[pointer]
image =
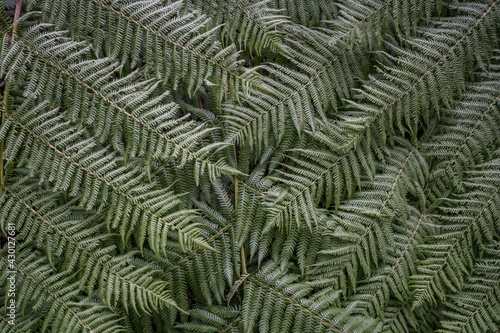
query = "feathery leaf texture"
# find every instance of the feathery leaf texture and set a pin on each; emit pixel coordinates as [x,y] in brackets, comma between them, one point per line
[250,166]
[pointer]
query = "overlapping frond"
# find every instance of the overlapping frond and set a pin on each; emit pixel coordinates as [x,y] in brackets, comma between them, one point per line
[250,166]
[363,225]
[207,274]
[5,21]
[465,224]
[476,307]
[283,304]
[55,297]
[401,98]
[117,108]
[327,66]
[80,240]
[254,26]
[466,136]
[374,294]
[306,13]
[187,51]
[214,319]
[70,158]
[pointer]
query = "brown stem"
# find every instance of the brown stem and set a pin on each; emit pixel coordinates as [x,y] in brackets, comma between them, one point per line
[17,13]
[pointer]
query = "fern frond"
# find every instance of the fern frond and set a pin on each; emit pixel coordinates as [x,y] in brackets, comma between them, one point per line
[389,105]
[282,313]
[82,247]
[213,319]
[206,274]
[55,297]
[254,26]
[328,66]
[250,166]
[399,317]
[465,137]
[188,50]
[363,227]
[27,323]
[374,294]
[309,14]
[465,222]
[152,128]
[72,159]
[5,21]
[476,307]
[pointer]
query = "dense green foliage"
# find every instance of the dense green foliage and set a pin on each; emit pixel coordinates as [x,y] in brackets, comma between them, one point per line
[250,166]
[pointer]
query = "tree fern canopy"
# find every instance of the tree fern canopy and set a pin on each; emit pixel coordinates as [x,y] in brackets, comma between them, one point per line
[250,166]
